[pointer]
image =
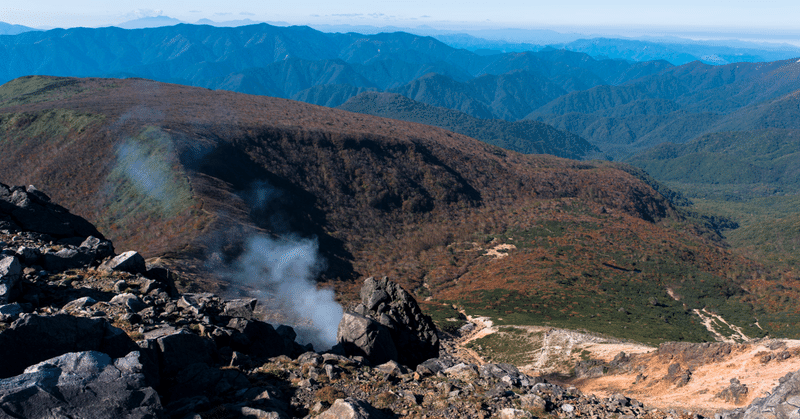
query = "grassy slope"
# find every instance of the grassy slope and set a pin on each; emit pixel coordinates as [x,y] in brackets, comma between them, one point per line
[751,177]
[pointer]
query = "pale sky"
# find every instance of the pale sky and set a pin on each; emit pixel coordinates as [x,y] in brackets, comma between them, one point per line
[763,15]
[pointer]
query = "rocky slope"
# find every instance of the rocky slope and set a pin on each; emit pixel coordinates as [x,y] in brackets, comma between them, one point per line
[101,335]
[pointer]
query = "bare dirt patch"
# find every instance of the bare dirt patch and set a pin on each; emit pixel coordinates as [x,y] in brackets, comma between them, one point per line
[758,365]
[703,371]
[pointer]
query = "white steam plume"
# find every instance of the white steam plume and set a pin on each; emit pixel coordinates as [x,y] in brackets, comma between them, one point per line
[285,269]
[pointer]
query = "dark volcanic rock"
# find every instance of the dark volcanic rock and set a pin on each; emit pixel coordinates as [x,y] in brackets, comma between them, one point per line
[99,248]
[202,379]
[81,385]
[10,272]
[33,339]
[130,261]
[413,333]
[260,340]
[66,259]
[363,336]
[31,210]
[179,350]
[243,308]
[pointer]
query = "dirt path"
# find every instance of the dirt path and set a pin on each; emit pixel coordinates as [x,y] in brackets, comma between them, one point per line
[552,351]
[483,327]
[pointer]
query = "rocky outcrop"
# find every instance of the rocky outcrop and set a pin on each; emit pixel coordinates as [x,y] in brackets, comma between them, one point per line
[413,334]
[677,375]
[363,336]
[782,403]
[82,385]
[34,338]
[130,261]
[27,209]
[734,393]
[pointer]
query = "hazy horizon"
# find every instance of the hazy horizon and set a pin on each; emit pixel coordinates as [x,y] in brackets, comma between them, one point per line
[698,19]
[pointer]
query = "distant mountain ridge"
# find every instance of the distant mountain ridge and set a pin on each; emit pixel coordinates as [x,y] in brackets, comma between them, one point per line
[678,105]
[9,29]
[622,107]
[524,136]
[208,56]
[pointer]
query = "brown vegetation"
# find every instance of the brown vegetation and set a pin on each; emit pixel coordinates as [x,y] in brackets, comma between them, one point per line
[381,196]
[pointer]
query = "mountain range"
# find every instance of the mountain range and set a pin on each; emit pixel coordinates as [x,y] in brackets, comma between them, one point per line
[619,106]
[629,202]
[528,137]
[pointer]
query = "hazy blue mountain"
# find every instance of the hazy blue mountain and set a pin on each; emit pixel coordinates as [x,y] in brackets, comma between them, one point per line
[9,29]
[485,46]
[149,22]
[509,96]
[188,53]
[234,23]
[710,52]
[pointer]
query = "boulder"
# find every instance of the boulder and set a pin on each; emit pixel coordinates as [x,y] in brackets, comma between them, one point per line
[414,335]
[130,261]
[28,255]
[498,370]
[352,409]
[131,302]
[10,275]
[10,312]
[260,340]
[362,336]
[200,379]
[434,366]
[98,248]
[78,304]
[32,339]
[590,369]
[179,350]
[66,259]
[243,308]
[462,371]
[81,384]
[735,393]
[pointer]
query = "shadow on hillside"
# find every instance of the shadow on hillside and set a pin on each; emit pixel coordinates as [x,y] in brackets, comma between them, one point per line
[275,204]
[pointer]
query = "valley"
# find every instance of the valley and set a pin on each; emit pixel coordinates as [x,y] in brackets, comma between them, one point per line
[620,226]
